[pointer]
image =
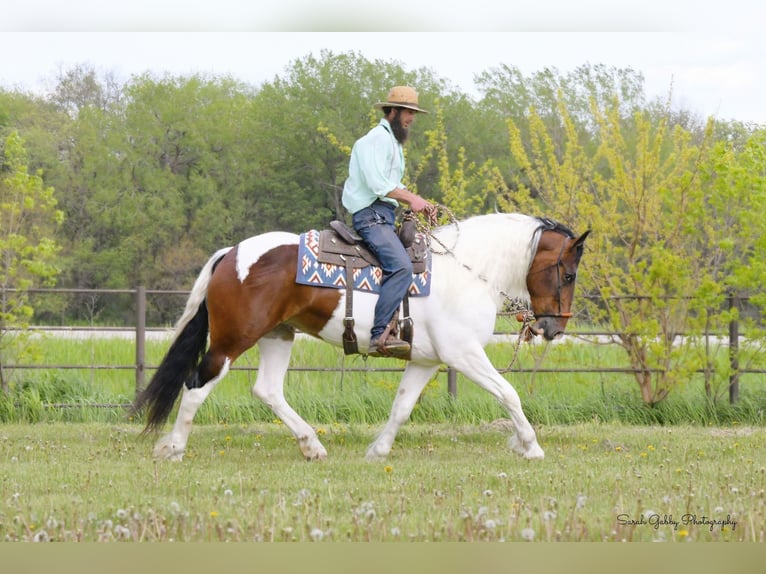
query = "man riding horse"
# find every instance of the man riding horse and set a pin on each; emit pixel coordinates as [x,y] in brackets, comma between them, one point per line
[371,193]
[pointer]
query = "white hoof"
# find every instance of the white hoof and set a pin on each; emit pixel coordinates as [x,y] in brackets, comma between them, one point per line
[530,451]
[165,449]
[312,449]
[376,453]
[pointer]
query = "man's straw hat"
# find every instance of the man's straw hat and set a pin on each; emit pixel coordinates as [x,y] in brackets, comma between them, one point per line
[402,97]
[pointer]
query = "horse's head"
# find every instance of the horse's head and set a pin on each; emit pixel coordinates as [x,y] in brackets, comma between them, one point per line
[551,279]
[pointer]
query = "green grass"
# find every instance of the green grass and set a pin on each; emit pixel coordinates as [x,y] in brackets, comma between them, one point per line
[361,392]
[442,482]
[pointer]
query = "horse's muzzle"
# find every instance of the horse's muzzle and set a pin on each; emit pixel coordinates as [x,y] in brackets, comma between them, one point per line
[550,327]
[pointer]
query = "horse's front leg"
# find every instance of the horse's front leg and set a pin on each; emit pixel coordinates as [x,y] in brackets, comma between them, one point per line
[472,361]
[413,381]
[269,387]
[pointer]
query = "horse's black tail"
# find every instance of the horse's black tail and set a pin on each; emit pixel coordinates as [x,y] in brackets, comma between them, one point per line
[184,355]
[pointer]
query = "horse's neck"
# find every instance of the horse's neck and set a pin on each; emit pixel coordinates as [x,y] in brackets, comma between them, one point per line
[496,250]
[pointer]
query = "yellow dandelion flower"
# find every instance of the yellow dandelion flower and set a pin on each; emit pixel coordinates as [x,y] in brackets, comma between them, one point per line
[213,514]
[650,447]
[644,454]
[321,431]
[683,533]
[222,452]
[389,469]
[228,438]
[618,448]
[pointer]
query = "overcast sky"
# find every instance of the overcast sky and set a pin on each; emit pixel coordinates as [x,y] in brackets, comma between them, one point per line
[712,53]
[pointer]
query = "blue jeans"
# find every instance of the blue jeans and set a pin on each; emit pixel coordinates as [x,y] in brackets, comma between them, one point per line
[375,224]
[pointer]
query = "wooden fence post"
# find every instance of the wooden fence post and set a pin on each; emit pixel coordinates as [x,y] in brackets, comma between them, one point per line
[140,337]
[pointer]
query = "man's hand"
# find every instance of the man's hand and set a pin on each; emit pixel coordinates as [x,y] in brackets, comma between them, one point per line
[416,203]
[420,205]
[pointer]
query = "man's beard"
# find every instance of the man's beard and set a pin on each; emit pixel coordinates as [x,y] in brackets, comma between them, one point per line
[400,132]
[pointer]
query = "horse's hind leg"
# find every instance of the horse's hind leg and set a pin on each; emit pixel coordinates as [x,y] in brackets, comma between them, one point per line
[269,387]
[210,371]
[413,381]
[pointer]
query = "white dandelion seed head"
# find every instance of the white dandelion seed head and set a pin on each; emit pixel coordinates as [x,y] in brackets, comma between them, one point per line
[488,493]
[502,475]
[549,515]
[121,513]
[122,532]
[581,500]
[528,534]
[41,536]
[316,535]
[228,492]
[490,524]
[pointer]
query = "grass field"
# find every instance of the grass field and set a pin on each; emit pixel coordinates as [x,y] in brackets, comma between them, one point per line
[599,482]
[72,469]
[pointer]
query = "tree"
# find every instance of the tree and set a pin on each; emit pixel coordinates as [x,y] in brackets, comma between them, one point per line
[28,221]
[656,258]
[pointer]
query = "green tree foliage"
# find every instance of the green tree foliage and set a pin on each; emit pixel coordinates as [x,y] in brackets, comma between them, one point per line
[156,173]
[28,221]
[639,184]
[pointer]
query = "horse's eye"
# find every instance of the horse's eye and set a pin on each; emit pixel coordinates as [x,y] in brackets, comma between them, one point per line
[569,277]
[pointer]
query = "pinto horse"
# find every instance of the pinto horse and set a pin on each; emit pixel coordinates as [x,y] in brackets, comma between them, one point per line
[247,295]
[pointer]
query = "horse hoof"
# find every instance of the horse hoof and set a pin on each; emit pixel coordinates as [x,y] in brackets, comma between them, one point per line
[312,449]
[166,450]
[374,454]
[533,451]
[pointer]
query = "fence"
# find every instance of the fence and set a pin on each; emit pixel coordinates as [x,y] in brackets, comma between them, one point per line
[141,330]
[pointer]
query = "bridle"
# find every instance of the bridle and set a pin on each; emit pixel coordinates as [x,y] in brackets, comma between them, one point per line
[561,314]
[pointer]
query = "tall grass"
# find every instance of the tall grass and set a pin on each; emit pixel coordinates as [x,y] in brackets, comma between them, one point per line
[361,391]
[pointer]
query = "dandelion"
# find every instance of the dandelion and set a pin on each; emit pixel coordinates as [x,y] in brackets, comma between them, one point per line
[488,493]
[650,447]
[228,493]
[502,475]
[683,533]
[41,536]
[389,469]
[718,509]
[549,516]
[395,531]
[175,508]
[528,534]
[122,532]
[213,514]
[228,438]
[618,448]
[316,535]
[121,513]
[490,524]
[222,452]
[321,431]
[581,500]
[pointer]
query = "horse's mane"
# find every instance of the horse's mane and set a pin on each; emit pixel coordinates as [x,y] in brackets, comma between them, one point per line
[496,250]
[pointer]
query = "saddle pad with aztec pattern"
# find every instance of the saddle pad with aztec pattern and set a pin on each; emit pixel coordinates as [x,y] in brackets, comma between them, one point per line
[312,272]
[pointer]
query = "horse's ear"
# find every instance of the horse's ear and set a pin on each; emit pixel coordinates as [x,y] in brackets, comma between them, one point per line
[580,240]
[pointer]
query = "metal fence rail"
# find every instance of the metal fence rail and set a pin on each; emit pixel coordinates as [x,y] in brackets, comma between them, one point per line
[140,332]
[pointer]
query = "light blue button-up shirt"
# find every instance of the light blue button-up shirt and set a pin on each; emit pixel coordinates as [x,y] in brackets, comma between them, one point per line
[376,168]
